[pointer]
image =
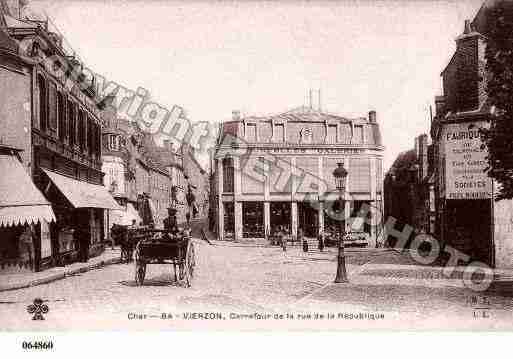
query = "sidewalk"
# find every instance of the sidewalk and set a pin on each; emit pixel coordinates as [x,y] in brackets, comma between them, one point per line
[24,280]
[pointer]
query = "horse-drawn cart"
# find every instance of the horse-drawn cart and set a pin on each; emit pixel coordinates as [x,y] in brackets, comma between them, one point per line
[162,247]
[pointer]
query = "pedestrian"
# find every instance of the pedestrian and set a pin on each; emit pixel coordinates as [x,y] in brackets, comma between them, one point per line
[302,239]
[282,239]
[82,237]
[26,247]
[321,241]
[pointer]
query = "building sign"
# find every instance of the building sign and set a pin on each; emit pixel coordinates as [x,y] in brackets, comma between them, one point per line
[465,162]
[298,150]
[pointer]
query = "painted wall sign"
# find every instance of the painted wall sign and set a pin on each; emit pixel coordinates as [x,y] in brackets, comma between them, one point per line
[465,162]
[316,151]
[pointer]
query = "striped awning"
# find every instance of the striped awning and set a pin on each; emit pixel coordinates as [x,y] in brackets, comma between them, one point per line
[83,194]
[125,217]
[20,200]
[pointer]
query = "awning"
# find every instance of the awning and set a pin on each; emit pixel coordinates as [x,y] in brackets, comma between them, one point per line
[125,217]
[83,194]
[20,200]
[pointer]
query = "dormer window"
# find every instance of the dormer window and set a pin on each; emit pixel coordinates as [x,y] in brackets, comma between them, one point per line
[251,132]
[114,142]
[279,132]
[358,134]
[331,134]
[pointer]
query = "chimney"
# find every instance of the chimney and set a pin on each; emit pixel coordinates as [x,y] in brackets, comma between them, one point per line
[372,116]
[439,105]
[235,115]
[468,27]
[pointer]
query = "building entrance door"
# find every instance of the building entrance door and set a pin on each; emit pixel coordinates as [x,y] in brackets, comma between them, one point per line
[252,219]
[308,219]
[280,216]
[468,228]
[229,219]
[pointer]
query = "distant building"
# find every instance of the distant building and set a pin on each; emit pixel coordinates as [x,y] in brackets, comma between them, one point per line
[146,179]
[198,182]
[409,188]
[276,170]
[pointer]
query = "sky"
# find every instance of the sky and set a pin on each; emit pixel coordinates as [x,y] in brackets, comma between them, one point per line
[263,57]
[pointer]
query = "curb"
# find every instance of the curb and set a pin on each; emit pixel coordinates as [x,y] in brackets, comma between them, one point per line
[59,276]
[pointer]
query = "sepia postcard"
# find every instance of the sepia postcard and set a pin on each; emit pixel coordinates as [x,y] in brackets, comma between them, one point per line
[255,166]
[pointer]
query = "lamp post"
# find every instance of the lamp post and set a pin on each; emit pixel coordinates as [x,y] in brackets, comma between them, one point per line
[340,175]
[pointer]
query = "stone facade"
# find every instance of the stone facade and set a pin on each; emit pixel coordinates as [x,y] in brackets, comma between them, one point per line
[277,171]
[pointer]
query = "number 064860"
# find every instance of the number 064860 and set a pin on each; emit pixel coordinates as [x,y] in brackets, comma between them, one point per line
[37,345]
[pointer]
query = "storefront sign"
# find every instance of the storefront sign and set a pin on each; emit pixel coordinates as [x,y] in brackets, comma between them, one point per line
[317,151]
[465,162]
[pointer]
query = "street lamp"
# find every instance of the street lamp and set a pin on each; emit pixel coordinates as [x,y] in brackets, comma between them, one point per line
[340,175]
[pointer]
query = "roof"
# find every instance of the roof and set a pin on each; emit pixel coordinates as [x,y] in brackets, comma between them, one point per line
[6,43]
[11,22]
[231,130]
[298,114]
[20,200]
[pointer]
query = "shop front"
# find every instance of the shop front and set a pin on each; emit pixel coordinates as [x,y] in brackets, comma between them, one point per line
[280,216]
[308,219]
[229,220]
[23,213]
[253,220]
[78,232]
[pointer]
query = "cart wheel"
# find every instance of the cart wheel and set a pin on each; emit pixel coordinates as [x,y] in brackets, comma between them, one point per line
[140,272]
[190,263]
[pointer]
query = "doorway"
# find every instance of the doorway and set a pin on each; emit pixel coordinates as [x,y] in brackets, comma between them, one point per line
[308,220]
[468,228]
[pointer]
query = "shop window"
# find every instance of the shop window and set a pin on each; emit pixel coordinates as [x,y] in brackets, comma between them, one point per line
[43,104]
[360,221]
[229,219]
[62,116]
[252,219]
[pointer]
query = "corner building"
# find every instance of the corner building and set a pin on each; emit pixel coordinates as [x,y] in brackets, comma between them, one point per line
[278,171]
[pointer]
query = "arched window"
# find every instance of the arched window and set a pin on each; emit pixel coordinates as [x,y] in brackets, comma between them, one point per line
[43,102]
[61,112]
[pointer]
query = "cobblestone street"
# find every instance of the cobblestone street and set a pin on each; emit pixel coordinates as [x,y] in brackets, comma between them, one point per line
[244,279]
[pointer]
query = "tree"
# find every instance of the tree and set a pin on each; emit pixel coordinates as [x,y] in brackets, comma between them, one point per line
[499,67]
